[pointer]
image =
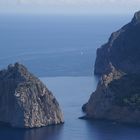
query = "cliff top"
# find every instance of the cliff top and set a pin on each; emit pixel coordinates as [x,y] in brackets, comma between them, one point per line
[16,71]
[136,18]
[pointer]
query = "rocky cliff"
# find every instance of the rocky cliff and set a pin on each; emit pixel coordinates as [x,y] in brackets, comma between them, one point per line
[25,101]
[122,50]
[117,96]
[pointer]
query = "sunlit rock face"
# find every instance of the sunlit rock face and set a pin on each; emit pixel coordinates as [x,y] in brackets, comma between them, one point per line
[25,101]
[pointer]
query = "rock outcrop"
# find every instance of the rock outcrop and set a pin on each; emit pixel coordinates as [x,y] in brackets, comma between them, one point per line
[25,101]
[117,96]
[122,50]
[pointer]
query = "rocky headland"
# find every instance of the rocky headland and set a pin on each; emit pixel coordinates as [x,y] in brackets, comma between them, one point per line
[25,101]
[122,49]
[117,96]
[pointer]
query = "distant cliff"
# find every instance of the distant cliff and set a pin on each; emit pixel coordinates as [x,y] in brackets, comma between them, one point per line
[25,101]
[122,50]
[117,96]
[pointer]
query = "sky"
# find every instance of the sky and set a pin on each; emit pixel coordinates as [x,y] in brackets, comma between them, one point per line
[69,6]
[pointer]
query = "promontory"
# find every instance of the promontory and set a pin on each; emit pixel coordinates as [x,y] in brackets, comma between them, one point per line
[117,96]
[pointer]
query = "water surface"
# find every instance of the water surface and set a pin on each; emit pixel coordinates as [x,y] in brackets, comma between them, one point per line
[55,45]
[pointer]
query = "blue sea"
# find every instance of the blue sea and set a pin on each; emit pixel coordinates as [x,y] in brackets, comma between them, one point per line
[55,45]
[61,50]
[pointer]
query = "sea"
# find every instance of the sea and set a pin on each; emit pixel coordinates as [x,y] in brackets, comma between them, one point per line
[61,51]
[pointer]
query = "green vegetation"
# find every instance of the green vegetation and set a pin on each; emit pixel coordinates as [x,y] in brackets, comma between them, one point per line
[133,100]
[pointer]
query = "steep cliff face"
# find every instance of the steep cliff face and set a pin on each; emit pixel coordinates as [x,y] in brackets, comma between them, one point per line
[122,49]
[117,96]
[25,101]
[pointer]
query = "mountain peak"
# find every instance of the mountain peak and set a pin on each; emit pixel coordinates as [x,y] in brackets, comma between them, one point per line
[25,101]
[136,18]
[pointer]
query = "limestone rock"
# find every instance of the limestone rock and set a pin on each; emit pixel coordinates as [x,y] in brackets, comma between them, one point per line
[25,101]
[116,98]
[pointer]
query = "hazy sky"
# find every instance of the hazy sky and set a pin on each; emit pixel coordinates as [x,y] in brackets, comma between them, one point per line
[69,6]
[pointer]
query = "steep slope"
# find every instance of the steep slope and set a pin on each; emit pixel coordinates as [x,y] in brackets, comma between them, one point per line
[25,101]
[122,49]
[117,96]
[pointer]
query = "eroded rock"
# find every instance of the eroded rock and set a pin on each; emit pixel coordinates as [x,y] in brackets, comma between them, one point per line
[25,101]
[117,96]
